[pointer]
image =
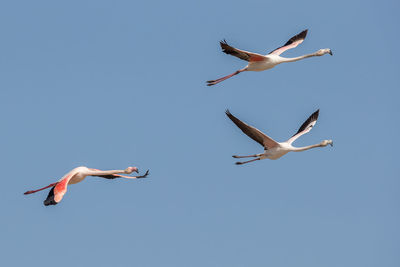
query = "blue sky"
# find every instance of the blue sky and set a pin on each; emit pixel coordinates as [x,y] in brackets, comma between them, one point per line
[110,84]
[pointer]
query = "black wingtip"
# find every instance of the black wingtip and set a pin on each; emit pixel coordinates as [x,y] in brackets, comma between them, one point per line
[222,43]
[50,198]
[315,115]
[311,118]
[303,34]
[300,36]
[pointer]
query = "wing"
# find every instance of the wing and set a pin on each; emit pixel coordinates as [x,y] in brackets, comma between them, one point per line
[253,133]
[58,191]
[248,56]
[113,176]
[110,176]
[292,43]
[305,127]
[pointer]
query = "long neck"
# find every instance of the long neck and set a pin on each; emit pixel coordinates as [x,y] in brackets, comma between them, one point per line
[303,148]
[293,59]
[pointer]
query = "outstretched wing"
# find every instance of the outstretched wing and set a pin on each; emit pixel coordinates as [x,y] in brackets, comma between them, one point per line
[109,176]
[113,176]
[305,127]
[253,133]
[58,191]
[292,43]
[248,56]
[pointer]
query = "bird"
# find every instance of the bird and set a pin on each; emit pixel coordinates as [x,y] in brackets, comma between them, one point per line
[258,62]
[77,175]
[273,149]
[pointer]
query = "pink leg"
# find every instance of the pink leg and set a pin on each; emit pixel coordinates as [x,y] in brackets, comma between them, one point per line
[243,162]
[213,82]
[238,157]
[34,191]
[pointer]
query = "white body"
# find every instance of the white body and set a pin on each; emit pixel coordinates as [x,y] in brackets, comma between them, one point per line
[78,174]
[277,152]
[269,62]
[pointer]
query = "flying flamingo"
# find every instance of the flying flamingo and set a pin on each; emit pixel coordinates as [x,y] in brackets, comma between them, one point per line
[273,149]
[258,62]
[78,175]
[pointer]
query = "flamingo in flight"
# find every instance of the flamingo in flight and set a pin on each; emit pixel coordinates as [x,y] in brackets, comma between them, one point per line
[78,175]
[258,62]
[273,149]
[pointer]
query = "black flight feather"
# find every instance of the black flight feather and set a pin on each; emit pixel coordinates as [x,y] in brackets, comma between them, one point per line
[310,119]
[300,36]
[50,198]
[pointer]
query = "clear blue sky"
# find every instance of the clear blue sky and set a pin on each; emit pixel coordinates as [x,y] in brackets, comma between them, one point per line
[110,84]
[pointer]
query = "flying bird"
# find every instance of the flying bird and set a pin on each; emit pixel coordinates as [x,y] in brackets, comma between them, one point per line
[273,149]
[258,62]
[78,175]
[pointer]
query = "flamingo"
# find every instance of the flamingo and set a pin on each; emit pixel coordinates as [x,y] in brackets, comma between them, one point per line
[273,149]
[78,175]
[258,62]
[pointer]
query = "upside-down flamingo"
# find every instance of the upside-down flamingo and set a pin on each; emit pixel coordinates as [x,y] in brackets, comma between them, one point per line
[78,175]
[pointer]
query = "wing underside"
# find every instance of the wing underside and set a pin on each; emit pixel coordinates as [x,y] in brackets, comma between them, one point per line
[255,134]
[305,127]
[292,43]
[244,55]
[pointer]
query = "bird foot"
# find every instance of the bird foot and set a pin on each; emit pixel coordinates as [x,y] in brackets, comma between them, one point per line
[210,83]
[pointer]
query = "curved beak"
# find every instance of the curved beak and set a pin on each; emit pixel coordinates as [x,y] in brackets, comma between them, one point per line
[330,52]
[331,144]
[137,170]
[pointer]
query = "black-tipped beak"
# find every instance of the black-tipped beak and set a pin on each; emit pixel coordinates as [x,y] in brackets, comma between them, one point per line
[330,52]
[137,170]
[332,144]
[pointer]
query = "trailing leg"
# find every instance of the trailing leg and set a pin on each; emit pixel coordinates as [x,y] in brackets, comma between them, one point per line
[213,82]
[250,156]
[243,162]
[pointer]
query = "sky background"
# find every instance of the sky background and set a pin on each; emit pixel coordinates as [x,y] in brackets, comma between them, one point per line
[112,84]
